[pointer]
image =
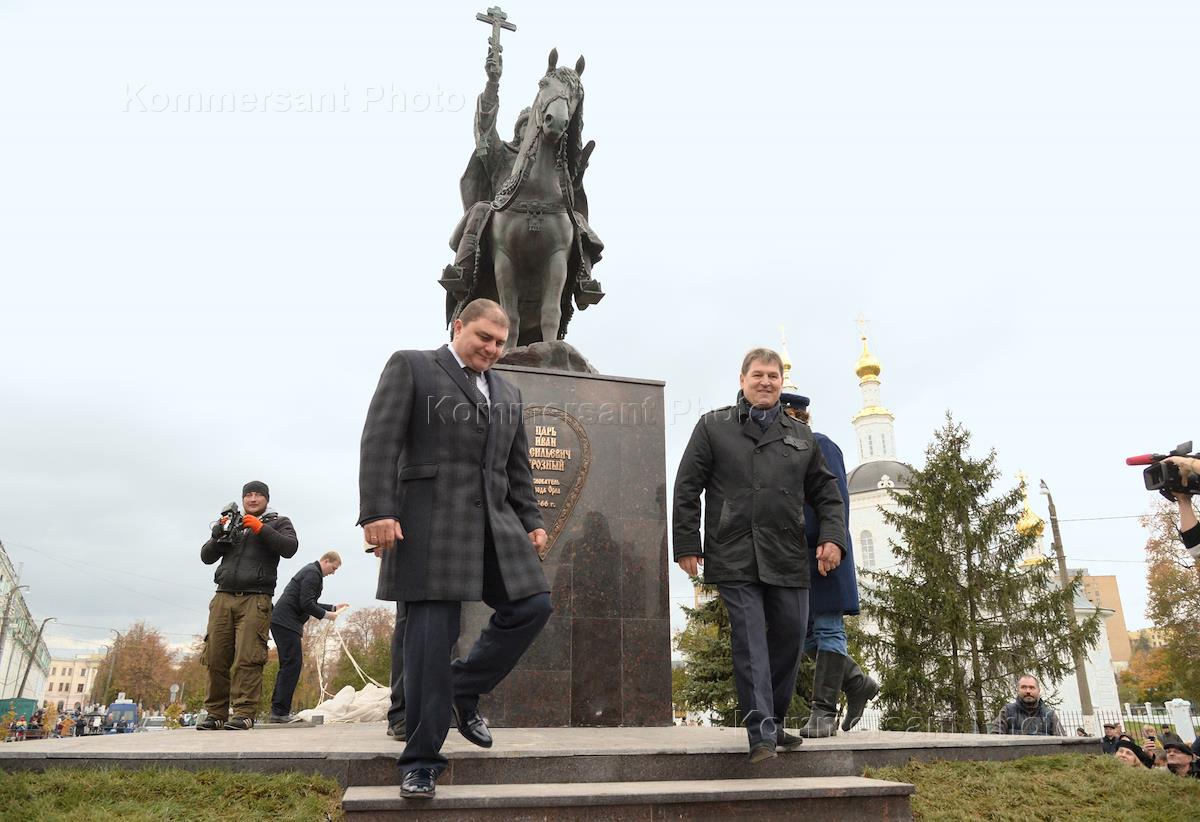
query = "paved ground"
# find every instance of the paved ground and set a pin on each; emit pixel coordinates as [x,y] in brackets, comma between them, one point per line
[370,739]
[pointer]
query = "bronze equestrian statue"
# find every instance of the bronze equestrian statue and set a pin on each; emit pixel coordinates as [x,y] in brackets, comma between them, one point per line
[524,239]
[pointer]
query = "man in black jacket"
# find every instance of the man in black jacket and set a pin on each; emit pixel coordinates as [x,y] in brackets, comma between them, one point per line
[1028,715]
[756,468]
[1112,738]
[296,604]
[1180,759]
[239,616]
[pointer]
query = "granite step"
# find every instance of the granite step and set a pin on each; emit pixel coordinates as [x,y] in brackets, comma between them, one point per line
[812,798]
[361,754]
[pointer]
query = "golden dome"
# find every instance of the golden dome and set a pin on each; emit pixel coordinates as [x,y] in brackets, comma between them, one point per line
[788,385]
[1030,524]
[867,367]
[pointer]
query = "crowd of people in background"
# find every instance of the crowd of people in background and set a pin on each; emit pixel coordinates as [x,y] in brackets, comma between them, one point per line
[1162,749]
[48,723]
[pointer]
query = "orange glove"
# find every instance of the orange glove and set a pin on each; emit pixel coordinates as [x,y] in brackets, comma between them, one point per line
[252,522]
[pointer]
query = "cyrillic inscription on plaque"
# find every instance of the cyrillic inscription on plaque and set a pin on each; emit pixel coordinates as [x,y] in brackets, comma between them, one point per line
[560,455]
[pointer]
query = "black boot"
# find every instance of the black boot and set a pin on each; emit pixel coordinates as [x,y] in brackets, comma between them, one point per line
[860,689]
[827,684]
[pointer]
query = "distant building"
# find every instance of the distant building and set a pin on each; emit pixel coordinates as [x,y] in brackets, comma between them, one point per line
[877,474]
[71,680]
[1103,591]
[1100,670]
[1147,639]
[21,651]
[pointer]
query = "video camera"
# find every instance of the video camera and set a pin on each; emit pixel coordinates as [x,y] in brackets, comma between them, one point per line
[230,523]
[1165,477]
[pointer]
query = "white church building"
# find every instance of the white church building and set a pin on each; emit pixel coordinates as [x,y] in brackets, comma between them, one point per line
[870,483]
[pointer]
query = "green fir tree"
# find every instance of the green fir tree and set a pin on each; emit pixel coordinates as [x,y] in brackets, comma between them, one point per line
[706,683]
[962,617]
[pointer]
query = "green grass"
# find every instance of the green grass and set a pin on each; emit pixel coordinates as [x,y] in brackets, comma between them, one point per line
[1062,787]
[91,794]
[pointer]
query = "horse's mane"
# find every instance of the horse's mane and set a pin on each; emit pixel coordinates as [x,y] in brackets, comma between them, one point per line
[574,134]
[531,141]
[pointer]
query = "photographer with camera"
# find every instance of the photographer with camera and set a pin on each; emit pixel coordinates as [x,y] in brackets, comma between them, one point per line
[1189,527]
[1177,477]
[249,548]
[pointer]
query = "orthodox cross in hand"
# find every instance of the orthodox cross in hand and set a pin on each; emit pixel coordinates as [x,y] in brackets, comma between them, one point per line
[497,19]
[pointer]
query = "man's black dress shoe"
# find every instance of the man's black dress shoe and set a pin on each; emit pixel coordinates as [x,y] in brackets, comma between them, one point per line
[420,783]
[471,725]
[762,751]
[785,741]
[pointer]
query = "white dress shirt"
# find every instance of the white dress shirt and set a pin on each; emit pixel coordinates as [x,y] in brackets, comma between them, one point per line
[480,380]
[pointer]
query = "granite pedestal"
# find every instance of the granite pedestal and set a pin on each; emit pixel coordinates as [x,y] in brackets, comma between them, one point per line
[597,450]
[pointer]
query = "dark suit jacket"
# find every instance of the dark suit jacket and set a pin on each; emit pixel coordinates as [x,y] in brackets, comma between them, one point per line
[451,468]
[755,484]
[298,601]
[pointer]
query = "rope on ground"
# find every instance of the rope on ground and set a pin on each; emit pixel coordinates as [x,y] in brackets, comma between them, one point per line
[366,678]
[363,675]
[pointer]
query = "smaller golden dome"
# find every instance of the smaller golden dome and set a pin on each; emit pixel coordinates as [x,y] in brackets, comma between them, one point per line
[868,366]
[1029,523]
[788,384]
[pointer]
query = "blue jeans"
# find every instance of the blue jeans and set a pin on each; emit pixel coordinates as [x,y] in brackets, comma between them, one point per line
[826,632]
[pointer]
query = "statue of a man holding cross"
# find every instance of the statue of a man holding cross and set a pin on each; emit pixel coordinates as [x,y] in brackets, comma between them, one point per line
[541,276]
[493,159]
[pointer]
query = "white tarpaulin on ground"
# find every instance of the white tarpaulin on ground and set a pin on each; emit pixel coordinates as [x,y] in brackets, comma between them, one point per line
[370,704]
[348,705]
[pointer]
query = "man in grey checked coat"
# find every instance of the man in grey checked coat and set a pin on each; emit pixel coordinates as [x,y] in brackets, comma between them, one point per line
[446,498]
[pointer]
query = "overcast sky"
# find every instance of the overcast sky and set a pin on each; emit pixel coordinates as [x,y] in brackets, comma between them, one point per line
[1008,191]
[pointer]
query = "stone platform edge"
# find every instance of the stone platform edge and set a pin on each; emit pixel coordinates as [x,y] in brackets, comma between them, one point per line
[854,743]
[368,798]
[556,372]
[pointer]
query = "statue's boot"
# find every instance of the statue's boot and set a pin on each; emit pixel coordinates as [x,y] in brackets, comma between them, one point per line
[860,689]
[827,684]
[453,281]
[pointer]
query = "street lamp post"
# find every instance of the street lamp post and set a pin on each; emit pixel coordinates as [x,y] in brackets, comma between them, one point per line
[32,654]
[1085,694]
[4,623]
[113,664]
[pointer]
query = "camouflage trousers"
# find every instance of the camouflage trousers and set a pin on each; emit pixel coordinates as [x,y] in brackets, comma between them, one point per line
[235,650]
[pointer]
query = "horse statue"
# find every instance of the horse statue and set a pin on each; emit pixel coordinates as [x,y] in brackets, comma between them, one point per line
[531,248]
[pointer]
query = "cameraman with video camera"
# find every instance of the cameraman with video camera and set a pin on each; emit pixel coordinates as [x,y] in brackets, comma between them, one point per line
[1189,527]
[249,547]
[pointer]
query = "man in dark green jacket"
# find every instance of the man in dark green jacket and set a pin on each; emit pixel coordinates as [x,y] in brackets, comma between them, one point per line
[239,616]
[756,468]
